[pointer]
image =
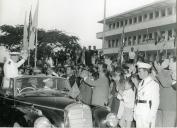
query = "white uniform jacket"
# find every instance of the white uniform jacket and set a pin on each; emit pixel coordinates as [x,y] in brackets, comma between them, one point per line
[11,68]
[147,99]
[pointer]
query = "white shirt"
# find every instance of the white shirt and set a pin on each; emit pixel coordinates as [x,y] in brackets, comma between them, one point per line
[131,55]
[129,98]
[93,60]
[11,68]
[148,91]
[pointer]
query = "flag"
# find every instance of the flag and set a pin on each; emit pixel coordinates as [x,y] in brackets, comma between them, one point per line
[34,28]
[29,25]
[25,35]
[74,92]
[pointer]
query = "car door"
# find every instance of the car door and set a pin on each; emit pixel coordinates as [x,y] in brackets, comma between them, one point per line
[6,103]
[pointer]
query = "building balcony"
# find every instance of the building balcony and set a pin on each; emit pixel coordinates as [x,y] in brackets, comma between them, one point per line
[138,26]
[150,46]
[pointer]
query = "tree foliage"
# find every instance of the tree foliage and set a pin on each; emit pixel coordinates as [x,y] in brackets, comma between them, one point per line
[12,36]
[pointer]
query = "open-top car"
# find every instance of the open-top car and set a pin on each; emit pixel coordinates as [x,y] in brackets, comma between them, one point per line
[38,101]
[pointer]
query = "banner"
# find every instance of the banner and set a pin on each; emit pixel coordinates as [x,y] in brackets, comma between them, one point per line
[34,28]
[25,35]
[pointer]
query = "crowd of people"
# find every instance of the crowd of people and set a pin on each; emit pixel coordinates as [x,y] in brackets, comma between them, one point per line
[129,89]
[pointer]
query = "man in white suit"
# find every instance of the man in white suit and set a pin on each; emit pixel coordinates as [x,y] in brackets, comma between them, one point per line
[11,68]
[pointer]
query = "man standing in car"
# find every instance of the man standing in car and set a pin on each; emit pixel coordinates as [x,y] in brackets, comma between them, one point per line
[147,99]
[11,68]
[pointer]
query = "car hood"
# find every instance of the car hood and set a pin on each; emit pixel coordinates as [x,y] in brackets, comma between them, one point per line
[53,102]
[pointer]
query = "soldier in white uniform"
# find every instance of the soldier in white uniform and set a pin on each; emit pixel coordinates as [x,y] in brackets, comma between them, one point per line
[147,99]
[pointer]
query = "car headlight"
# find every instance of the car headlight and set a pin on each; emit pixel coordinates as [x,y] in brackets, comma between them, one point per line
[42,122]
[111,120]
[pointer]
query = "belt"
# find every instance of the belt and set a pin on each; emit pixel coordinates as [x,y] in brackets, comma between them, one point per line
[141,101]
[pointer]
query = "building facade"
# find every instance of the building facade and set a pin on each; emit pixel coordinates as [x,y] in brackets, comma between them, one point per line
[149,29]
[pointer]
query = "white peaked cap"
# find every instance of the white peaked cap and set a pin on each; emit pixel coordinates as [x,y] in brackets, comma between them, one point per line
[143,65]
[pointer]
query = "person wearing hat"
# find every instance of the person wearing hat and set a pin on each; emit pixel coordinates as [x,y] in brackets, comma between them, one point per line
[11,68]
[147,99]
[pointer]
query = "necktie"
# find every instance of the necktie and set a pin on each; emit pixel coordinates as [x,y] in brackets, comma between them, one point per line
[142,83]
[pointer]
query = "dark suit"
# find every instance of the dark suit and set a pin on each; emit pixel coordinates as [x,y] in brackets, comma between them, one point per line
[88,57]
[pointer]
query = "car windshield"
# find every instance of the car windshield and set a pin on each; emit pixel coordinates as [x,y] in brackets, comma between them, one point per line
[31,84]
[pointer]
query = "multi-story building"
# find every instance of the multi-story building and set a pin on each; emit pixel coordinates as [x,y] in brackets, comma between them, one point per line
[149,29]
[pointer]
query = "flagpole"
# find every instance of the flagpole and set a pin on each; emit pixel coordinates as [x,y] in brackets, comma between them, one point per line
[122,45]
[28,57]
[35,23]
[35,61]
[104,21]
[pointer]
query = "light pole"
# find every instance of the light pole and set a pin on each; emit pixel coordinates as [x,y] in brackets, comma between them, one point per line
[104,21]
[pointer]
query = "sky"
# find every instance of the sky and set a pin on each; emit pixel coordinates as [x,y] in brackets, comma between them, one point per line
[74,17]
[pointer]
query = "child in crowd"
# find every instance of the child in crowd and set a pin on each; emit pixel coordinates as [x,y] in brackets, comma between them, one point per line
[128,99]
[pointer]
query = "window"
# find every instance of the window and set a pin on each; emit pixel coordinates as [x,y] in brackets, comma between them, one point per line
[121,23]
[134,40]
[125,40]
[156,14]
[169,10]
[156,37]
[110,26]
[139,39]
[151,15]
[145,16]
[163,12]
[129,40]
[113,42]
[130,21]
[135,20]
[125,22]
[162,33]
[117,24]
[109,44]
[140,19]
[113,26]
[117,42]
[150,36]
[169,34]
[144,37]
